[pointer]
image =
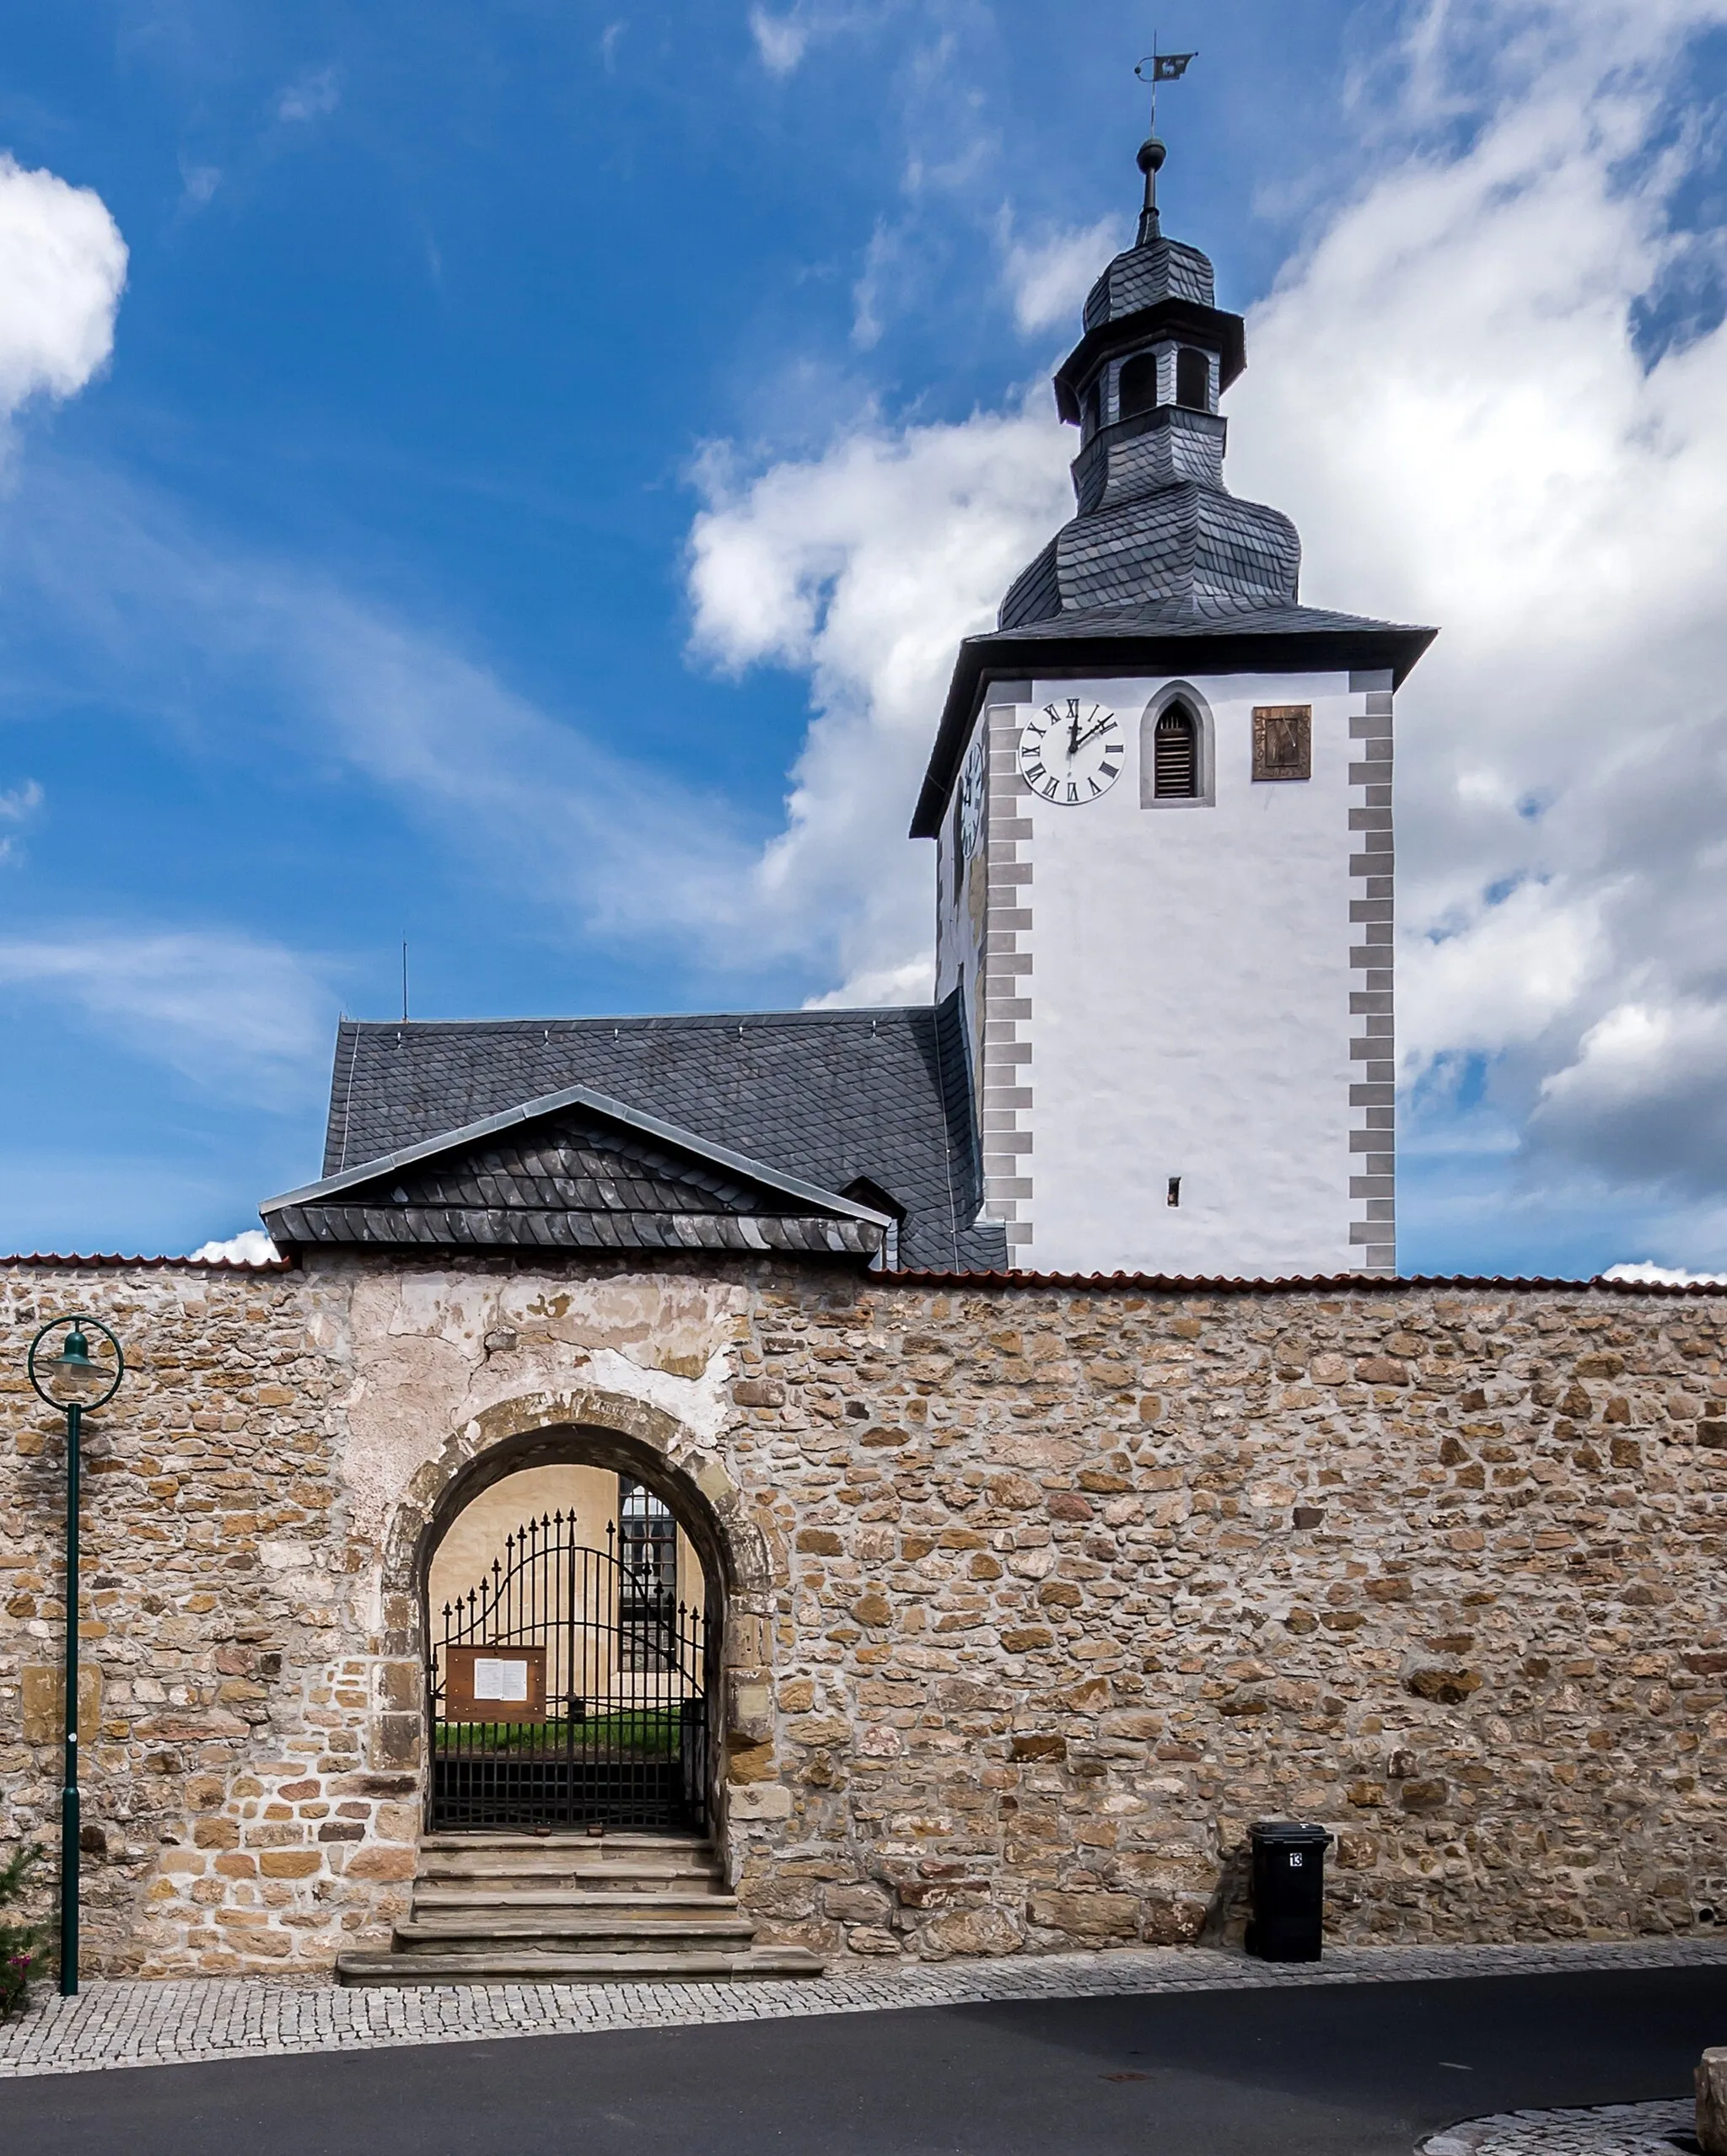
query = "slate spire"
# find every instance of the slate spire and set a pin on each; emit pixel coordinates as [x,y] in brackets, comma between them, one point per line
[1156,525]
[1162,572]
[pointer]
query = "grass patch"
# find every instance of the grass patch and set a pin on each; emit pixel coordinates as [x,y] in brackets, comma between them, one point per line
[650,1731]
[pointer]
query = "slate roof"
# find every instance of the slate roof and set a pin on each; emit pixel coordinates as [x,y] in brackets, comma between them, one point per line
[1202,617]
[827,1098]
[574,1171]
[1141,276]
[1174,547]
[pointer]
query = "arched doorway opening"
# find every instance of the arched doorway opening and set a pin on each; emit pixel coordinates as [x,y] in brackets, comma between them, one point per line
[573,1600]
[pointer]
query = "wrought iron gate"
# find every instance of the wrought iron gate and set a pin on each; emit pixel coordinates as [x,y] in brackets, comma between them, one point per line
[624,1741]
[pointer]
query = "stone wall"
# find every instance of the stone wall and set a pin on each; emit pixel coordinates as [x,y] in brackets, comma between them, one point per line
[1082,1582]
[254,1500]
[1039,1595]
[236,1814]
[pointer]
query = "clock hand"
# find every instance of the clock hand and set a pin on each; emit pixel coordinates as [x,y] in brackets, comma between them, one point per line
[1076,746]
[1074,736]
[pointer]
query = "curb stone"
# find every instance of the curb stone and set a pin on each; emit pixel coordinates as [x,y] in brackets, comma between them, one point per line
[1658,2129]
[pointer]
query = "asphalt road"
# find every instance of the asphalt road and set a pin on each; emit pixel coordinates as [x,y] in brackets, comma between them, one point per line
[1350,2070]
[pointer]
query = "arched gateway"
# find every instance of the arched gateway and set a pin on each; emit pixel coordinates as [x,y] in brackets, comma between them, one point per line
[580,1600]
[656,1471]
[574,1639]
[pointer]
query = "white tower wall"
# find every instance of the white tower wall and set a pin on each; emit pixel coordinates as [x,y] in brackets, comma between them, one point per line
[1193,989]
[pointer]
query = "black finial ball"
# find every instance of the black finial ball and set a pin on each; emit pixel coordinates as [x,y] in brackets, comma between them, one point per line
[1152,153]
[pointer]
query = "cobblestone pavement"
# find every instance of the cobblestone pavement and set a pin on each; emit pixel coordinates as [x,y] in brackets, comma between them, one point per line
[1609,2130]
[129,2022]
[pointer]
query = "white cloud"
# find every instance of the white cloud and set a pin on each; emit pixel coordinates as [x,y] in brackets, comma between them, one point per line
[165,621]
[1048,279]
[865,566]
[881,259]
[1664,1276]
[17,806]
[780,40]
[1498,975]
[913,982]
[222,1009]
[311,95]
[251,1246]
[1448,393]
[1645,1099]
[783,38]
[63,268]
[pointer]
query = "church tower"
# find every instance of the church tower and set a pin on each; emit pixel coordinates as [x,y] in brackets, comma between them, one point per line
[1161,794]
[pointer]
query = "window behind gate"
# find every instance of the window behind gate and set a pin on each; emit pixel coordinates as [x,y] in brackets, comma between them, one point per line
[648,1588]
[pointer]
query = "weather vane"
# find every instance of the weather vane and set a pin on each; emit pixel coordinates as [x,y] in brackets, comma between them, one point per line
[1156,67]
[1161,67]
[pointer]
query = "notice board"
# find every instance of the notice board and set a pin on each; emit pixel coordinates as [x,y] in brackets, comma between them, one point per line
[494,1684]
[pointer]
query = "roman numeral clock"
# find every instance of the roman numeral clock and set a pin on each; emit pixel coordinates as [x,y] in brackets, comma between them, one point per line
[1071,752]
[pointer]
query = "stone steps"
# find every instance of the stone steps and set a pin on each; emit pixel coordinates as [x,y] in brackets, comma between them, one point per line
[643,1877]
[532,1932]
[544,1894]
[432,1896]
[639,1862]
[683,1966]
[521,1841]
[571,1908]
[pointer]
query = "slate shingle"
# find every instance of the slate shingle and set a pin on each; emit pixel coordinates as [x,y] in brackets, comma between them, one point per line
[828,1096]
[569,1176]
[1166,269]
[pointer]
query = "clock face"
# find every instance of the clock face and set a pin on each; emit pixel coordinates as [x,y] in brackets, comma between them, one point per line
[1071,751]
[972,791]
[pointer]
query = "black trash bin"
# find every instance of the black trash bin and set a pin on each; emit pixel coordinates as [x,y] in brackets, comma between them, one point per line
[1289,1890]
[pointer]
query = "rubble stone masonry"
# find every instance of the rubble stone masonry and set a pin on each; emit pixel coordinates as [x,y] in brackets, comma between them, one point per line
[1040,1594]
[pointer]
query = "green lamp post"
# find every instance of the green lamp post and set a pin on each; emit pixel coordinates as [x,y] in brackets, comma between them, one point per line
[75,1382]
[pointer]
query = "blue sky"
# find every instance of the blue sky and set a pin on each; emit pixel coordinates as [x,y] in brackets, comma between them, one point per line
[547,453]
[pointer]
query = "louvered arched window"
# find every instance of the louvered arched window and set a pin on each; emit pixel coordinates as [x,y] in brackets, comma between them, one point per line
[1175,755]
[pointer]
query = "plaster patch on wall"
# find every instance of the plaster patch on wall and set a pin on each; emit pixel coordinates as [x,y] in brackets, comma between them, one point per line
[701,1405]
[660,1323]
[423,1369]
